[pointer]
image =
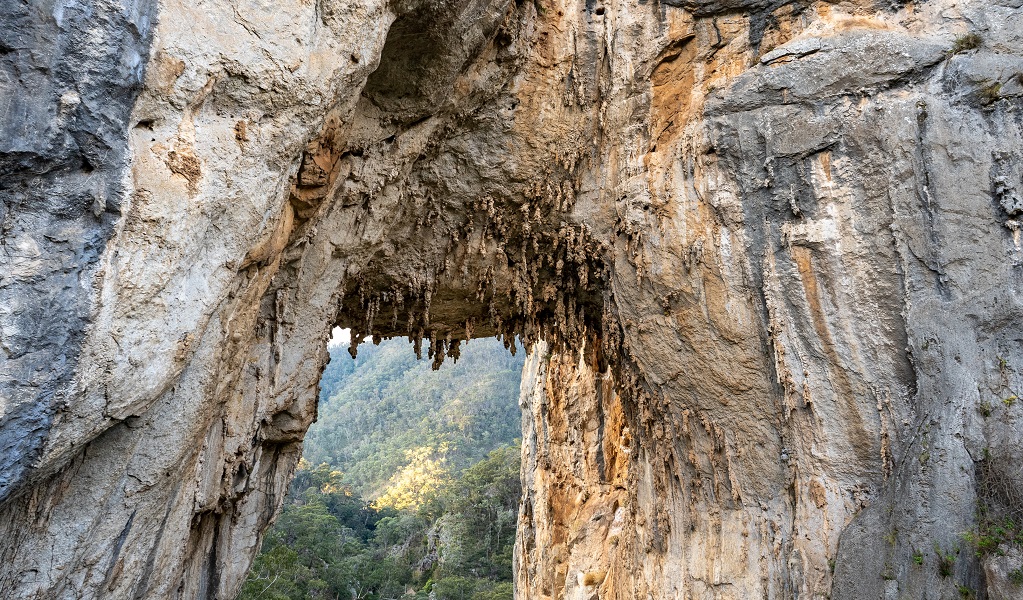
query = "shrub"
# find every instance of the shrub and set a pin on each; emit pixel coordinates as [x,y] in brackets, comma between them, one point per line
[999,510]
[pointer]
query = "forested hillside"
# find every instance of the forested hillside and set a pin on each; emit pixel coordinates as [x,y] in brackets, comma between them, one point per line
[409,484]
[385,404]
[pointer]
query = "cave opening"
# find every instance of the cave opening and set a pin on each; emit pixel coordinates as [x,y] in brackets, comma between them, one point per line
[409,484]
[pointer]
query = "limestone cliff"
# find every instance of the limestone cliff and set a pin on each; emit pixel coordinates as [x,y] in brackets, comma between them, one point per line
[769,253]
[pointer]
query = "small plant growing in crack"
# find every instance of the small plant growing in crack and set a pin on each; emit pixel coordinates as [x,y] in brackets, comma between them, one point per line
[1016,576]
[969,41]
[946,560]
[918,557]
[990,93]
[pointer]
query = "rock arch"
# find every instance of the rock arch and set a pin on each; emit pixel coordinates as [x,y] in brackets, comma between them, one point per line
[767,273]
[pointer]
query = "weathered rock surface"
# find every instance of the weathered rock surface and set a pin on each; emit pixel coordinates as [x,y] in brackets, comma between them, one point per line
[770,251]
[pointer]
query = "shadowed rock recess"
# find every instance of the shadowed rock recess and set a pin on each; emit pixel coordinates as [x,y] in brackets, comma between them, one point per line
[765,257]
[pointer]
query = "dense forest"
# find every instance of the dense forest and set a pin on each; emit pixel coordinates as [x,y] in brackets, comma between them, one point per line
[409,483]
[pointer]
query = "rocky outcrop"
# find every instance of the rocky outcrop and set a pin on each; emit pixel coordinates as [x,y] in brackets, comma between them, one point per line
[769,253]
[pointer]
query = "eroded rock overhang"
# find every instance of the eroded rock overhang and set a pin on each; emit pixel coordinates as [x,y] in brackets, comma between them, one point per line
[772,248]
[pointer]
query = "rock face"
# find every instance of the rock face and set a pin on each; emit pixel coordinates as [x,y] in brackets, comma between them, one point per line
[769,253]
